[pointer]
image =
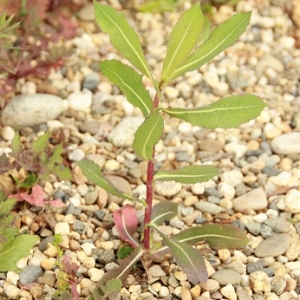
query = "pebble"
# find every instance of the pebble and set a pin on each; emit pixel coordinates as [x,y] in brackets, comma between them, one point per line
[278,284]
[167,188]
[256,200]
[95,274]
[106,256]
[7,133]
[80,100]
[278,224]
[91,81]
[259,282]
[86,13]
[123,134]
[12,292]
[210,285]
[122,184]
[273,246]
[79,227]
[30,110]
[156,271]
[76,155]
[287,143]
[62,228]
[292,201]
[233,177]
[207,207]
[229,292]
[227,276]
[269,61]
[30,274]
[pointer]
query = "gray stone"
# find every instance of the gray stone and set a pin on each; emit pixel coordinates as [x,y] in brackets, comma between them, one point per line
[271,171]
[106,256]
[266,231]
[30,110]
[227,276]
[44,242]
[30,274]
[122,184]
[253,227]
[273,246]
[79,227]
[287,143]
[278,284]
[72,210]
[255,266]
[242,294]
[207,207]
[100,214]
[92,126]
[213,192]
[278,224]
[256,200]
[91,81]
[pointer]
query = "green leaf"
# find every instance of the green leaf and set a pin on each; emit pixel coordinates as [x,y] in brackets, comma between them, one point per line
[130,82]
[122,36]
[183,39]
[188,259]
[164,211]
[56,157]
[189,174]
[16,146]
[14,250]
[221,38]
[218,236]
[29,182]
[227,112]
[147,135]
[94,174]
[40,145]
[124,251]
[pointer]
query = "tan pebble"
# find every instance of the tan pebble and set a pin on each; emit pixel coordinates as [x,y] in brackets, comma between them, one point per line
[74,245]
[107,245]
[36,291]
[51,251]
[95,274]
[102,198]
[259,282]
[190,200]
[65,242]
[291,284]
[253,145]
[179,275]
[12,292]
[250,179]
[224,254]
[48,263]
[273,133]
[210,285]
[195,291]
[186,294]
[229,292]
[85,282]
[226,203]
[27,219]
[156,286]
[135,288]
[285,164]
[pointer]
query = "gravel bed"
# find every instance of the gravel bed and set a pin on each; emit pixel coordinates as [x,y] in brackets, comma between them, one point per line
[257,190]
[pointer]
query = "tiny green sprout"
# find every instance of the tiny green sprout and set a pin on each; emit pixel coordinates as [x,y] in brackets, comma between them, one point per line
[183,54]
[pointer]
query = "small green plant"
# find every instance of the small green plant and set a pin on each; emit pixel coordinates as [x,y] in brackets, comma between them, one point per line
[13,245]
[183,55]
[67,278]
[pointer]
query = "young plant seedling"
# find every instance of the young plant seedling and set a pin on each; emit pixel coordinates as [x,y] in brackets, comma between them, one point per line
[183,55]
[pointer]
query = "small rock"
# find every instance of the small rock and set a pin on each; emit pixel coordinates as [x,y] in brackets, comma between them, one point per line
[253,227]
[227,276]
[278,224]
[7,133]
[266,231]
[62,228]
[91,81]
[95,274]
[269,61]
[86,13]
[210,285]
[210,145]
[12,292]
[278,284]
[274,246]
[123,134]
[106,256]
[293,251]
[256,200]
[207,207]
[76,155]
[89,262]
[79,227]
[259,282]
[91,197]
[12,277]
[233,177]
[229,292]
[80,101]
[122,185]
[30,274]
[242,294]
[164,292]
[292,201]
[157,271]
[287,143]
[167,188]
[30,110]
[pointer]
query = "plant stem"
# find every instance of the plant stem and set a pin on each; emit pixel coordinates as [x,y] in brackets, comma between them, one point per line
[149,185]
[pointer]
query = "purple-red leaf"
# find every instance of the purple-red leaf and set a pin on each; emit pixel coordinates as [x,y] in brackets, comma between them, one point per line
[126,222]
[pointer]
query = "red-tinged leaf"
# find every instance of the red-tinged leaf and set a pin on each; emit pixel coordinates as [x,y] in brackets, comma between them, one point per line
[126,222]
[69,267]
[36,198]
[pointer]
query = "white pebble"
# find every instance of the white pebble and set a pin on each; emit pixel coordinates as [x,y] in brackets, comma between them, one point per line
[62,228]
[95,274]
[12,292]
[260,218]
[12,277]
[7,133]
[88,248]
[80,101]
[227,190]
[76,155]
[171,92]
[229,292]
[112,165]
[164,291]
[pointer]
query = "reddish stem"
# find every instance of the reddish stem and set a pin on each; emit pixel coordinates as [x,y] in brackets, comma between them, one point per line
[149,192]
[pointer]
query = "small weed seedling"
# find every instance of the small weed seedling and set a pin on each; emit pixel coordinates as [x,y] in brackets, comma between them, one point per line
[183,55]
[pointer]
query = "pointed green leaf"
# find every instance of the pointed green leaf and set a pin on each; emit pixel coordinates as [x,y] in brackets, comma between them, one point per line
[30,181]
[14,250]
[16,146]
[130,82]
[93,173]
[164,211]
[112,288]
[122,36]
[189,174]
[217,235]
[188,259]
[227,112]
[183,39]
[40,145]
[147,135]
[221,38]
